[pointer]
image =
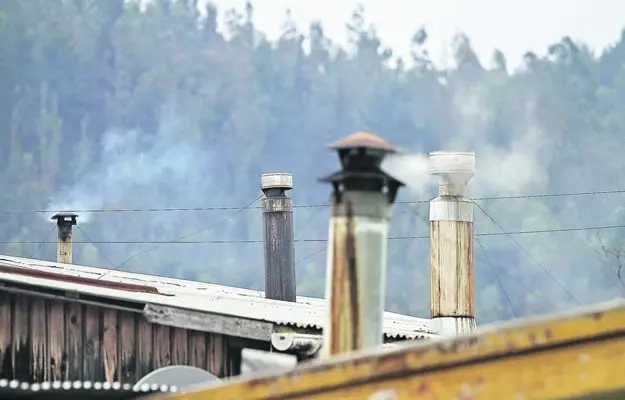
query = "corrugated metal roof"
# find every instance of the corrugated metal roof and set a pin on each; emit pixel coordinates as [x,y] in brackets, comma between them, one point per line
[204,297]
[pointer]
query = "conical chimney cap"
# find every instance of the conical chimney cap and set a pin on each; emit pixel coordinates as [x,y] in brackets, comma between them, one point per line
[363,139]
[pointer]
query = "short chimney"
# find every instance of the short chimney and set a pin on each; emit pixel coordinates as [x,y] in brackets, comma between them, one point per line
[362,196]
[278,237]
[64,221]
[451,244]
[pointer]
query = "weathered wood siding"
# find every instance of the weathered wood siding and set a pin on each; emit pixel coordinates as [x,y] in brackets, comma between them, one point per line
[45,339]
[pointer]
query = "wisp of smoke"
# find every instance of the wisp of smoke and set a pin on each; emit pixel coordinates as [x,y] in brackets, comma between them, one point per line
[507,169]
[411,169]
[133,165]
[501,169]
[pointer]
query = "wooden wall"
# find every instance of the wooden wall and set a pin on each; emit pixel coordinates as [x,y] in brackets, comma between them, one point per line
[44,340]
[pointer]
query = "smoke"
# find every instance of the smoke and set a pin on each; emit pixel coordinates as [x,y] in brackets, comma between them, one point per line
[139,168]
[501,169]
[410,169]
[173,167]
[509,168]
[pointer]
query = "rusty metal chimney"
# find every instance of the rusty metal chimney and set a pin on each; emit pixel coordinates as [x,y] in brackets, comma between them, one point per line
[362,196]
[278,237]
[451,243]
[64,221]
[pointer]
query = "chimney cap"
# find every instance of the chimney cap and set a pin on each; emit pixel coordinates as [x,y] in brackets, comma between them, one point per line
[362,139]
[62,216]
[454,170]
[452,162]
[276,180]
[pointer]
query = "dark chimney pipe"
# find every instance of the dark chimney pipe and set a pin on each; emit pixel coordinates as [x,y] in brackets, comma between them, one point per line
[278,237]
[64,221]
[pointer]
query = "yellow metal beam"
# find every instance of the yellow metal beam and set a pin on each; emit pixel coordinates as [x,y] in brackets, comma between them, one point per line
[579,355]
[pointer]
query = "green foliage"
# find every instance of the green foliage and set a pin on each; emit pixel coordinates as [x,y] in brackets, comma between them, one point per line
[219,110]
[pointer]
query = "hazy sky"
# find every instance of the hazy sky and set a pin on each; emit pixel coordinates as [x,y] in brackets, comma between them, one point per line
[513,26]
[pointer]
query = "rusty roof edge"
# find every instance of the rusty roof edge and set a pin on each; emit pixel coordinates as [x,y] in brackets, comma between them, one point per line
[129,287]
[97,272]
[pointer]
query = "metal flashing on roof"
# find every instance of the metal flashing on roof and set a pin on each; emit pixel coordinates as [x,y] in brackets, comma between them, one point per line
[141,289]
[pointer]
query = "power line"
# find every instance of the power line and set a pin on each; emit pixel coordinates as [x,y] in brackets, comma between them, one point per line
[487,261]
[308,220]
[323,249]
[108,260]
[311,255]
[45,239]
[561,194]
[232,208]
[556,230]
[180,241]
[496,274]
[529,255]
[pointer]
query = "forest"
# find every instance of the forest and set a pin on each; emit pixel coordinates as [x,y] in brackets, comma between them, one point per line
[155,127]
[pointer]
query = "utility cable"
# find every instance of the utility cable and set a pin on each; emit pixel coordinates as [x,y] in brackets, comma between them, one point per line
[528,254]
[179,239]
[308,220]
[226,208]
[108,260]
[561,194]
[323,249]
[486,260]
[311,255]
[496,274]
[45,238]
[557,230]
[409,237]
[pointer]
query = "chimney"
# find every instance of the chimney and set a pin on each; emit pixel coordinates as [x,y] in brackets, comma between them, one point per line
[278,236]
[64,221]
[362,196]
[451,243]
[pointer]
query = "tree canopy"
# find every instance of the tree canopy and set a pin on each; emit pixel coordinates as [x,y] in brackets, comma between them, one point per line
[109,105]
